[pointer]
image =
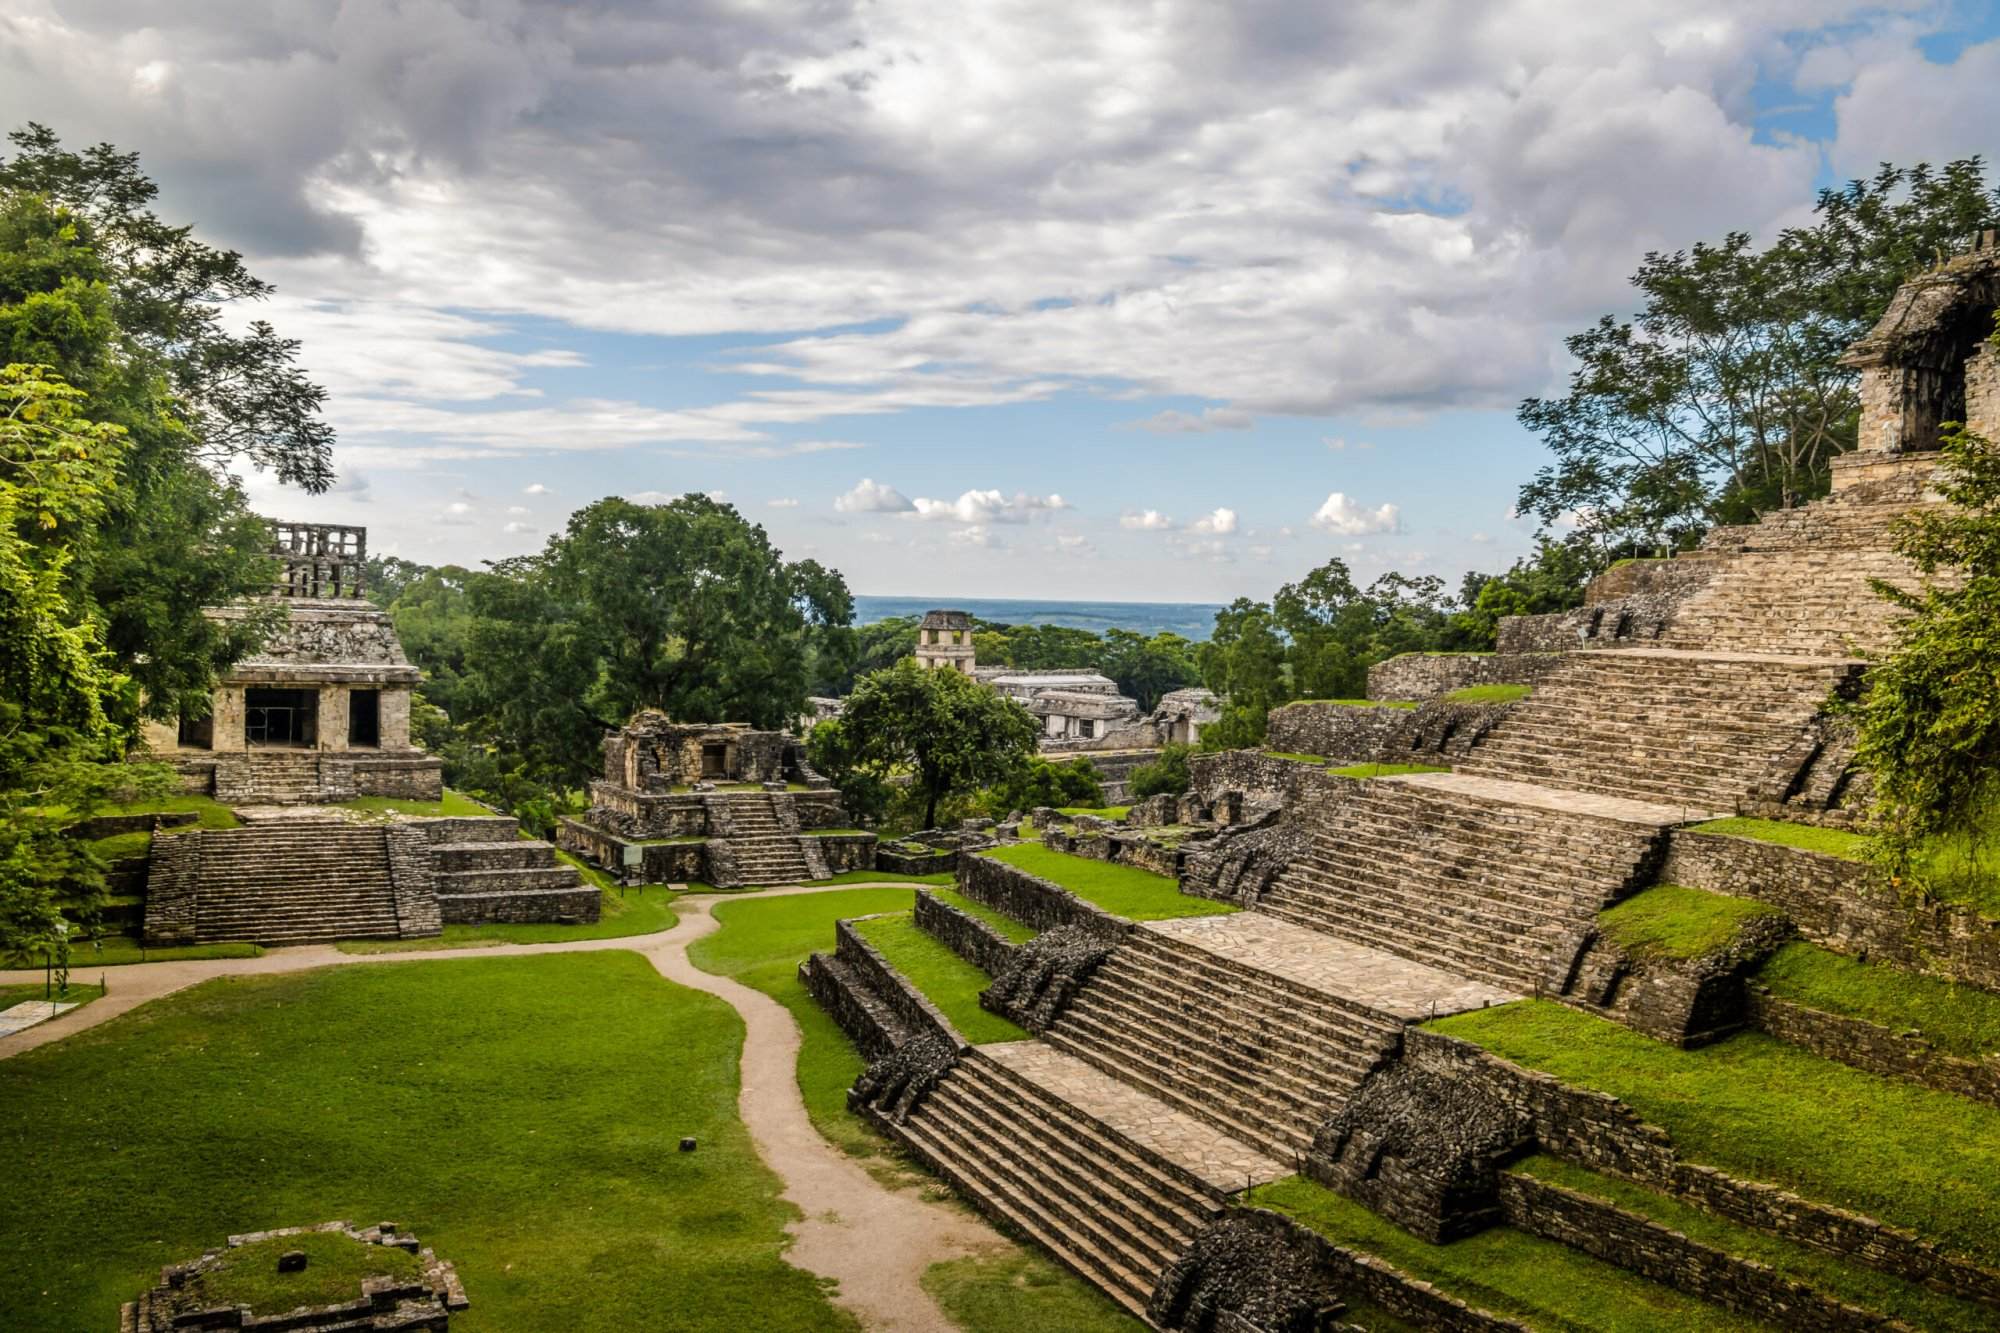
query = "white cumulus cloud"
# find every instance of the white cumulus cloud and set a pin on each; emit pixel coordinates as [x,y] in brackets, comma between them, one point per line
[1350,518]
[870,497]
[1220,523]
[1146,520]
[989,507]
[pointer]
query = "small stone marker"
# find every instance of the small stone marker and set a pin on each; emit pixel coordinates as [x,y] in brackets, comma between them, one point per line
[292,1261]
[687,1144]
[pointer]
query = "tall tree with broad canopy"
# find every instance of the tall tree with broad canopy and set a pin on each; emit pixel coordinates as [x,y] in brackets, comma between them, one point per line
[943,732]
[1724,397]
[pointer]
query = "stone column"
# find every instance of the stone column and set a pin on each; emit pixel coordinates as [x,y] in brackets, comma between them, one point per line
[1881,429]
[227,733]
[1982,392]
[333,717]
[394,723]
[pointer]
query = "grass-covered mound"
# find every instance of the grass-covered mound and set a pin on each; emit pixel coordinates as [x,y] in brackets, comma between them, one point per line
[1758,1108]
[451,803]
[1872,1290]
[1122,890]
[336,1266]
[1806,837]
[1539,1282]
[1670,921]
[946,980]
[1488,694]
[1384,770]
[1015,932]
[761,942]
[1957,1019]
[521,1115]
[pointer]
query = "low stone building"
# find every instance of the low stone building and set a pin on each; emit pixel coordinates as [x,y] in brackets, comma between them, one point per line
[1070,705]
[321,712]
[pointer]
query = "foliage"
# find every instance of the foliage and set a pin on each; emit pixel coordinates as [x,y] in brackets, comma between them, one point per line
[941,976]
[940,730]
[1540,1283]
[1165,776]
[1929,720]
[1552,579]
[1122,890]
[1041,782]
[1669,921]
[1724,396]
[563,1201]
[1760,1108]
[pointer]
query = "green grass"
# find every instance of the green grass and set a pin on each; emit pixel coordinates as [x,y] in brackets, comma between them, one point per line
[1113,812]
[634,911]
[1384,770]
[1808,837]
[1354,703]
[1540,1282]
[123,846]
[1291,756]
[844,877]
[1963,867]
[1756,1107]
[1488,694]
[207,811]
[1017,932]
[1127,891]
[79,994]
[520,1115]
[1957,1019]
[450,804]
[947,981]
[335,1266]
[1018,1291]
[120,950]
[1672,922]
[1849,1282]
[761,943]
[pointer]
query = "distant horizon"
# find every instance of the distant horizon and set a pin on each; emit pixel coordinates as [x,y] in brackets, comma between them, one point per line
[1190,620]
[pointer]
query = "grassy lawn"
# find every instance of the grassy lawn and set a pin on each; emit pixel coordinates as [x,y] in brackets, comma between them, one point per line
[761,943]
[207,811]
[335,1268]
[118,950]
[635,911]
[1961,1020]
[1872,1290]
[1540,1282]
[1112,812]
[521,1115]
[1018,1291]
[947,981]
[1016,932]
[1759,1108]
[1672,922]
[1384,770]
[450,804]
[78,994]
[1127,891]
[1808,837]
[1488,694]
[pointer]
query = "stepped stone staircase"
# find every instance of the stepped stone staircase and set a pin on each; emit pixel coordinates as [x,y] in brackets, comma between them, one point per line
[760,842]
[1112,1181]
[307,881]
[1260,1055]
[1696,731]
[1481,878]
[488,856]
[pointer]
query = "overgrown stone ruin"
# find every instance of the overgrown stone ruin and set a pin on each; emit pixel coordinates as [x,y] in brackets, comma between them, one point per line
[1294,1036]
[723,803]
[404,1287]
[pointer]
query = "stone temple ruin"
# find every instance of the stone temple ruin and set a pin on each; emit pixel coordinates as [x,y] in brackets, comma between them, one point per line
[1175,1063]
[319,717]
[717,802]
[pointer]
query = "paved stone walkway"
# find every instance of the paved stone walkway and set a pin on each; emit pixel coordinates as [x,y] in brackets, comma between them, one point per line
[1209,1154]
[1381,981]
[30,1012]
[875,1242]
[1554,798]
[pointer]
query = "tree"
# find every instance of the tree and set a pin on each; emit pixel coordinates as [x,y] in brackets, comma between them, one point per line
[1244,661]
[1552,579]
[1148,669]
[1724,396]
[1040,782]
[942,732]
[1166,776]
[1929,720]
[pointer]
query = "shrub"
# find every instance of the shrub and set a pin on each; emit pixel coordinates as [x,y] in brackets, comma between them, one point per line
[1167,775]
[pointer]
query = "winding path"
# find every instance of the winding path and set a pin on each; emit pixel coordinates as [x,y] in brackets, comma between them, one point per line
[874,1241]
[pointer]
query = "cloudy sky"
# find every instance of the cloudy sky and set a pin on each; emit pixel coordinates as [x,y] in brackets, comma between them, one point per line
[1138,301]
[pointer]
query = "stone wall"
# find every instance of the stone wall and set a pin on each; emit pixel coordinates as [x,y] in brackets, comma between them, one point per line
[413,881]
[567,906]
[1847,906]
[1030,899]
[416,777]
[1872,1047]
[890,857]
[847,851]
[964,934]
[907,1002]
[1426,675]
[1641,1246]
[1266,781]
[173,876]
[867,1021]
[1604,1134]
[1350,733]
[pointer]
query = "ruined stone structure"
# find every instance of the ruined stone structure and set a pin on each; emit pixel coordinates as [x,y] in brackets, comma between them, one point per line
[719,802]
[1176,1063]
[418,1294]
[944,639]
[322,711]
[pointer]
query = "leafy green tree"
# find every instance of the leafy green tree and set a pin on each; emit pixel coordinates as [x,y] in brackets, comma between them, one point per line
[875,647]
[1552,579]
[1040,782]
[1244,661]
[1168,775]
[1052,648]
[940,731]
[1147,669]
[1724,396]
[1930,717]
